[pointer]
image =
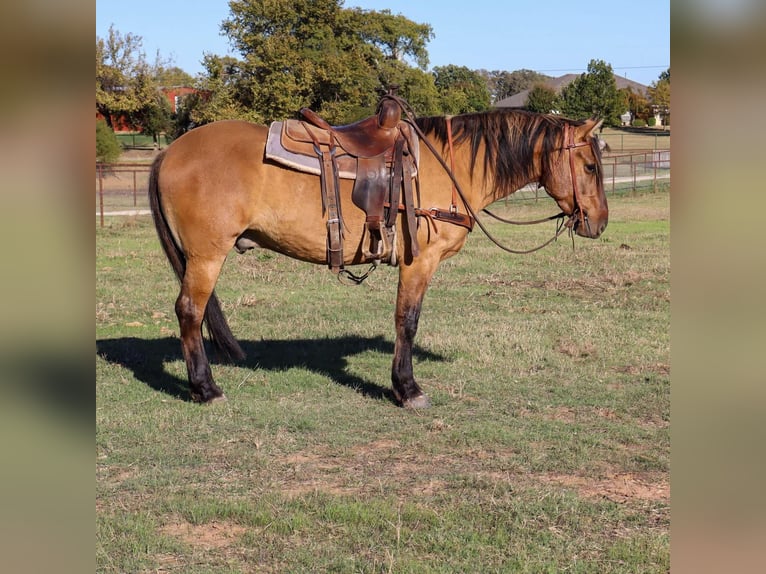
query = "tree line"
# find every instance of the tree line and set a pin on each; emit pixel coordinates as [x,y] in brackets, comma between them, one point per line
[336,60]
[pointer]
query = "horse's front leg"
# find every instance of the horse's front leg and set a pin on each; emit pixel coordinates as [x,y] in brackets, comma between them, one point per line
[413,282]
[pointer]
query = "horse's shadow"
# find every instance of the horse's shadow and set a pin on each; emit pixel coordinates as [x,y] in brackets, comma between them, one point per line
[146,358]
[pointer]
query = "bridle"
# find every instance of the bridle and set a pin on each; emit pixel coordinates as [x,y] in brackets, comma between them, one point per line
[569,145]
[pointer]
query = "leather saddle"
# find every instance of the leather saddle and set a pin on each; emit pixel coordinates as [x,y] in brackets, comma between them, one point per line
[378,152]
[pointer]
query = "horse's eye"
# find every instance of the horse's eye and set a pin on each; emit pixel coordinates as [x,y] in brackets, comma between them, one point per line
[590,168]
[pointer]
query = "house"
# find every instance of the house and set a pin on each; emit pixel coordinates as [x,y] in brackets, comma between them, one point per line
[557,84]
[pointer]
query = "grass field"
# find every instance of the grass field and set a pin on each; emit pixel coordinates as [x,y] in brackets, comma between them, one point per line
[546,449]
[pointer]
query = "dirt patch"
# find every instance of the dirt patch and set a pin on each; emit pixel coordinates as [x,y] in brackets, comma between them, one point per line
[619,487]
[213,535]
[389,467]
[382,465]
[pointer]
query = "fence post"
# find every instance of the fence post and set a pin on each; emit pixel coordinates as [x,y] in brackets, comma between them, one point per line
[634,170]
[100,169]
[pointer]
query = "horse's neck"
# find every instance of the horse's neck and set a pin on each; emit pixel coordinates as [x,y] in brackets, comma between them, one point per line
[485,188]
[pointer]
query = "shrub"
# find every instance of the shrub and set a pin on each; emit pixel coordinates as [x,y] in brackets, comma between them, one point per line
[639,123]
[108,148]
[652,121]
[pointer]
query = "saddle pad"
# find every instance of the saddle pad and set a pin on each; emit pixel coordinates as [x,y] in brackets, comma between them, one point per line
[310,163]
[306,163]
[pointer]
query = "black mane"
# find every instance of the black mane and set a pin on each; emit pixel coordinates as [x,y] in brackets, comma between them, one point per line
[509,137]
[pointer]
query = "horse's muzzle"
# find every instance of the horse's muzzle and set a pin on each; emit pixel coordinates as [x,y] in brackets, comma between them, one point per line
[588,227]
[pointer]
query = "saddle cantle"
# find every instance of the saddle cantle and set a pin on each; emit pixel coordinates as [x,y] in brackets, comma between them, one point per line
[379,152]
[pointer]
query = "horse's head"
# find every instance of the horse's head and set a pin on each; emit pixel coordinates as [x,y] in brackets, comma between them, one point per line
[574,178]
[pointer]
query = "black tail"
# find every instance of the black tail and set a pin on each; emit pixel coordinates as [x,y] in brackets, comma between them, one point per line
[217,327]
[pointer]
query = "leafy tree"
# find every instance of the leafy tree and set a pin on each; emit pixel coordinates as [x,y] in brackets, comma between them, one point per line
[108,148]
[461,90]
[124,80]
[315,53]
[503,84]
[542,99]
[636,103]
[167,76]
[396,36]
[593,94]
[659,95]
[224,94]
[154,118]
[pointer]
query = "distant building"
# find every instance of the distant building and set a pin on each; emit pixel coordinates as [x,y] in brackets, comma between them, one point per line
[557,84]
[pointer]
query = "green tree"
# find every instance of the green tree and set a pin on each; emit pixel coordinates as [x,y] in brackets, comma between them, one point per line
[154,117]
[124,80]
[224,94]
[108,148]
[542,99]
[659,96]
[461,90]
[316,53]
[394,35]
[593,94]
[503,84]
[168,76]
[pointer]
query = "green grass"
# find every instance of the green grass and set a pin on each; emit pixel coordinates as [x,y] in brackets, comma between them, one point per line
[546,449]
[623,141]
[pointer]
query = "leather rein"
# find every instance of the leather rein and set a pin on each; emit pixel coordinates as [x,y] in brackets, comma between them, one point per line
[569,145]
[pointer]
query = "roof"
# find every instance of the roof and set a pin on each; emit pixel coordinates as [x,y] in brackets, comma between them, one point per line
[520,100]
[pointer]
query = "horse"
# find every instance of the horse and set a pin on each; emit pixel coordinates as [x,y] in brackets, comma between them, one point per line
[213,190]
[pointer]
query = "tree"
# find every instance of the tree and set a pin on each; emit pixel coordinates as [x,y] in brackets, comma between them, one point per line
[167,76]
[396,36]
[504,84]
[593,94]
[154,118]
[461,90]
[108,148]
[542,99]
[224,94]
[124,80]
[636,104]
[315,53]
[659,95]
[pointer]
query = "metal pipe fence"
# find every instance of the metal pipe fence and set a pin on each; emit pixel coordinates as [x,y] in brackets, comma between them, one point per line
[121,190]
[121,187]
[623,173]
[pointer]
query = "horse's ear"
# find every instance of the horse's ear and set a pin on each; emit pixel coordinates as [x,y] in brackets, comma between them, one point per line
[592,126]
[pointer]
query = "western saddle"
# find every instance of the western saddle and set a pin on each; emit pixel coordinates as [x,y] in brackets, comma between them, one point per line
[380,153]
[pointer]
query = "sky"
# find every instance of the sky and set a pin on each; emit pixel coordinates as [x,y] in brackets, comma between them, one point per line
[554,37]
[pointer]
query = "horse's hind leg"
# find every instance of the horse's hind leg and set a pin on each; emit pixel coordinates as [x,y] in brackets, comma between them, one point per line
[196,287]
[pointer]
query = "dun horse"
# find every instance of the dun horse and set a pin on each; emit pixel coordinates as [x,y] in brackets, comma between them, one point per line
[214,189]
